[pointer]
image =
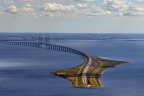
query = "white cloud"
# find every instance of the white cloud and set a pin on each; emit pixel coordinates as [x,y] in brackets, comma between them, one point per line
[39,1]
[21,1]
[140,0]
[26,9]
[123,8]
[115,5]
[28,5]
[54,9]
[82,0]
[12,9]
[66,8]
[23,11]
[95,11]
[134,10]
[42,1]
[81,5]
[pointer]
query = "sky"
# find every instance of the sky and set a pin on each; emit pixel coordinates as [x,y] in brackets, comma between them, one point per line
[72,16]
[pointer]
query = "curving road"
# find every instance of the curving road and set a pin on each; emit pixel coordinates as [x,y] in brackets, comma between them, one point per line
[84,73]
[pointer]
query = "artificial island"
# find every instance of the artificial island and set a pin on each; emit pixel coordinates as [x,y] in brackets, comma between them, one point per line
[85,75]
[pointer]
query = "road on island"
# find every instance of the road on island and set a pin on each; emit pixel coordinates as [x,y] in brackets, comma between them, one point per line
[84,73]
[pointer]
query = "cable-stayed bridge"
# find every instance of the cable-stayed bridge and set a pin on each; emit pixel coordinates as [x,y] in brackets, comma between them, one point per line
[44,43]
[47,45]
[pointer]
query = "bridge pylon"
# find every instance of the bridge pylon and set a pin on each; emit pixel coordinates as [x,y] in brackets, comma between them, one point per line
[40,41]
[47,41]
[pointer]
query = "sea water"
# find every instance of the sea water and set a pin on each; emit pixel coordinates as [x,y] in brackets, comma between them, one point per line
[25,71]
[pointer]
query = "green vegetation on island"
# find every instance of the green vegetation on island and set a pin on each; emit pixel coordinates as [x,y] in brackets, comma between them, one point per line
[97,67]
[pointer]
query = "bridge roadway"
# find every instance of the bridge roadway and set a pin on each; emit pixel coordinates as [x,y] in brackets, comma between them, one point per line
[46,46]
[58,48]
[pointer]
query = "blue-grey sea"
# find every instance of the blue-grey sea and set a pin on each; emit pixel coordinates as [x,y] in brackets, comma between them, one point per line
[25,71]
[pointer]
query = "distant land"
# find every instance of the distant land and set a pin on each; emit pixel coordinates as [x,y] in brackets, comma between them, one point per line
[72,36]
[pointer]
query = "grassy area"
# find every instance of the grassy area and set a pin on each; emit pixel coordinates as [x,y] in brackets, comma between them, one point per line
[97,67]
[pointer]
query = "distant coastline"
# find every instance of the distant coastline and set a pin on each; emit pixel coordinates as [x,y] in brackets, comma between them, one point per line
[71,36]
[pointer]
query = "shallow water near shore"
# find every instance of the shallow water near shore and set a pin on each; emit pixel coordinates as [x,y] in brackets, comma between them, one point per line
[26,71]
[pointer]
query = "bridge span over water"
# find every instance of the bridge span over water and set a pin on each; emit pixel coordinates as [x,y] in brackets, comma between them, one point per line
[44,45]
[40,44]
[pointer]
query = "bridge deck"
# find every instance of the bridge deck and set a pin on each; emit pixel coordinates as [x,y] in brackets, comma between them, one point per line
[46,46]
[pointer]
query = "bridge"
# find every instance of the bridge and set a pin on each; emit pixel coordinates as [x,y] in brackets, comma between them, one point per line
[46,45]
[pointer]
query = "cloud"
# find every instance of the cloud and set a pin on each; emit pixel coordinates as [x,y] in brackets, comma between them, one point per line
[54,9]
[134,10]
[42,1]
[82,0]
[12,9]
[115,5]
[28,5]
[123,8]
[81,5]
[140,0]
[65,8]
[95,11]
[21,1]
[23,11]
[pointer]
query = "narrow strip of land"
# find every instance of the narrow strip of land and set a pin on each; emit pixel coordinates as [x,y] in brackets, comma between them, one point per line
[84,73]
[87,75]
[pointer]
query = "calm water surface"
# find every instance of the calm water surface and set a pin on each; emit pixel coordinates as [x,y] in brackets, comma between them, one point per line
[26,71]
